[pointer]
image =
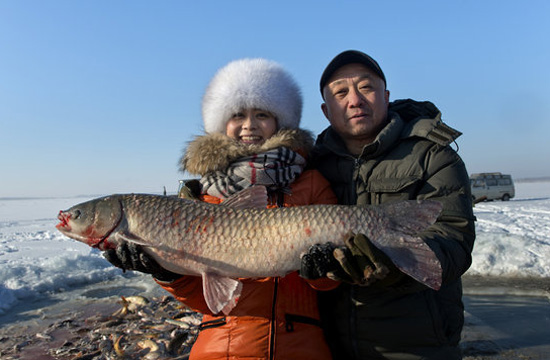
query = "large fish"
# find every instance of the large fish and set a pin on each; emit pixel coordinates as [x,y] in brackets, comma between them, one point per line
[241,238]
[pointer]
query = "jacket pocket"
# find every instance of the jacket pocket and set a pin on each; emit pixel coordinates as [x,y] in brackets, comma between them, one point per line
[290,319]
[393,189]
[212,323]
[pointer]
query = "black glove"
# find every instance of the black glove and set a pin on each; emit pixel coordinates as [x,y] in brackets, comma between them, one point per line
[130,256]
[318,261]
[190,190]
[367,264]
[358,263]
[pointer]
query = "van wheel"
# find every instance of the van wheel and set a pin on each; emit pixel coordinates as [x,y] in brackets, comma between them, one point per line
[505,197]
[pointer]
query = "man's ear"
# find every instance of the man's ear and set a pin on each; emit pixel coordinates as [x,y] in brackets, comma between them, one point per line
[325,110]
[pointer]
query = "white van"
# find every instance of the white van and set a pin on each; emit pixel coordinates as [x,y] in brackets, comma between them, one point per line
[492,186]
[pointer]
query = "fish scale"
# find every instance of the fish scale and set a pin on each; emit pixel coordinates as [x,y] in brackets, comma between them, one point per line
[241,238]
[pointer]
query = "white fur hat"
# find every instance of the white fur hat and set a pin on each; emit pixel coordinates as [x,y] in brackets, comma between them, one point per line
[251,84]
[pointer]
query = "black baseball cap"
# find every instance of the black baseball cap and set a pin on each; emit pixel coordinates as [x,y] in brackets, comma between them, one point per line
[350,57]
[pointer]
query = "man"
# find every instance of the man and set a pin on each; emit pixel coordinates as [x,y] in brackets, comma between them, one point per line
[375,152]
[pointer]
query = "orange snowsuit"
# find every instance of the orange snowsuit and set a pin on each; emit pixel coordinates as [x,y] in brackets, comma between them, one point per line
[275,317]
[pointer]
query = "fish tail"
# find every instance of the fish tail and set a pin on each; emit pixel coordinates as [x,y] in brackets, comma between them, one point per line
[400,240]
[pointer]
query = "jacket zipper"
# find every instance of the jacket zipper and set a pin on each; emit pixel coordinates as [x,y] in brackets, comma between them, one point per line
[353,191]
[280,203]
[353,310]
[273,319]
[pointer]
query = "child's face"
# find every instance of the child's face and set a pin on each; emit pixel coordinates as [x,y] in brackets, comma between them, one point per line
[251,126]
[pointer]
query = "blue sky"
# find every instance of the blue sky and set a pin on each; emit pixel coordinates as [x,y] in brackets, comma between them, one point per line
[98,97]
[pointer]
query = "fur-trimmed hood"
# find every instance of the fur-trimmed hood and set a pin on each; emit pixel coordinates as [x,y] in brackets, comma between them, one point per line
[212,152]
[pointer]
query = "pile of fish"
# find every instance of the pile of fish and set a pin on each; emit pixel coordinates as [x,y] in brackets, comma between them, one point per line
[160,328]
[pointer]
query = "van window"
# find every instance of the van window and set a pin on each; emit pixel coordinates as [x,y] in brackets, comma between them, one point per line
[504,182]
[491,182]
[479,183]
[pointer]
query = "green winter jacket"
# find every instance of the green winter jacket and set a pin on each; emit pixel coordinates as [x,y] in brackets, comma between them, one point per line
[410,159]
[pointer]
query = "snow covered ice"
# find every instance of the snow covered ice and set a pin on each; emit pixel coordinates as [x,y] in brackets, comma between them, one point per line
[513,240]
[36,260]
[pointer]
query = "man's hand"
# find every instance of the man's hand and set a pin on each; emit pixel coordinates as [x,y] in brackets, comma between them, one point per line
[367,264]
[358,263]
[129,256]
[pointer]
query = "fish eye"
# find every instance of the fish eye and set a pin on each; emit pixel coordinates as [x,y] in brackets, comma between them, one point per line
[77,214]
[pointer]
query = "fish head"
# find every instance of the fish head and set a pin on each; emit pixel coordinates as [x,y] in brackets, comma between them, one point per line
[91,222]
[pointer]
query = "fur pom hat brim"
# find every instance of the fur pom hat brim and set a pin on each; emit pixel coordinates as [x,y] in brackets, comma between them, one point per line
[251,84]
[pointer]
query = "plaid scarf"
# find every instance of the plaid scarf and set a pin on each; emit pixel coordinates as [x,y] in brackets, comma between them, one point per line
[275,169]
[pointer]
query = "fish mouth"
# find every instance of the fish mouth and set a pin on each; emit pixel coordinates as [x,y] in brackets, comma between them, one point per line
[64,218]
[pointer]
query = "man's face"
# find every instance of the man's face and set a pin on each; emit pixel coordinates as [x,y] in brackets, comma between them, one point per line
[356,103]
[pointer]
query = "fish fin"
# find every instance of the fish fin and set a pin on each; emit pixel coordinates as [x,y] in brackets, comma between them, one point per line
[130,238]
[254,197]
[413,256]
[220,293]
[413,216]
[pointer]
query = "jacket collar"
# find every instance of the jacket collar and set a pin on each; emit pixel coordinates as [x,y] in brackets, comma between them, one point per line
[330,141]
[213,152]
[407,119]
